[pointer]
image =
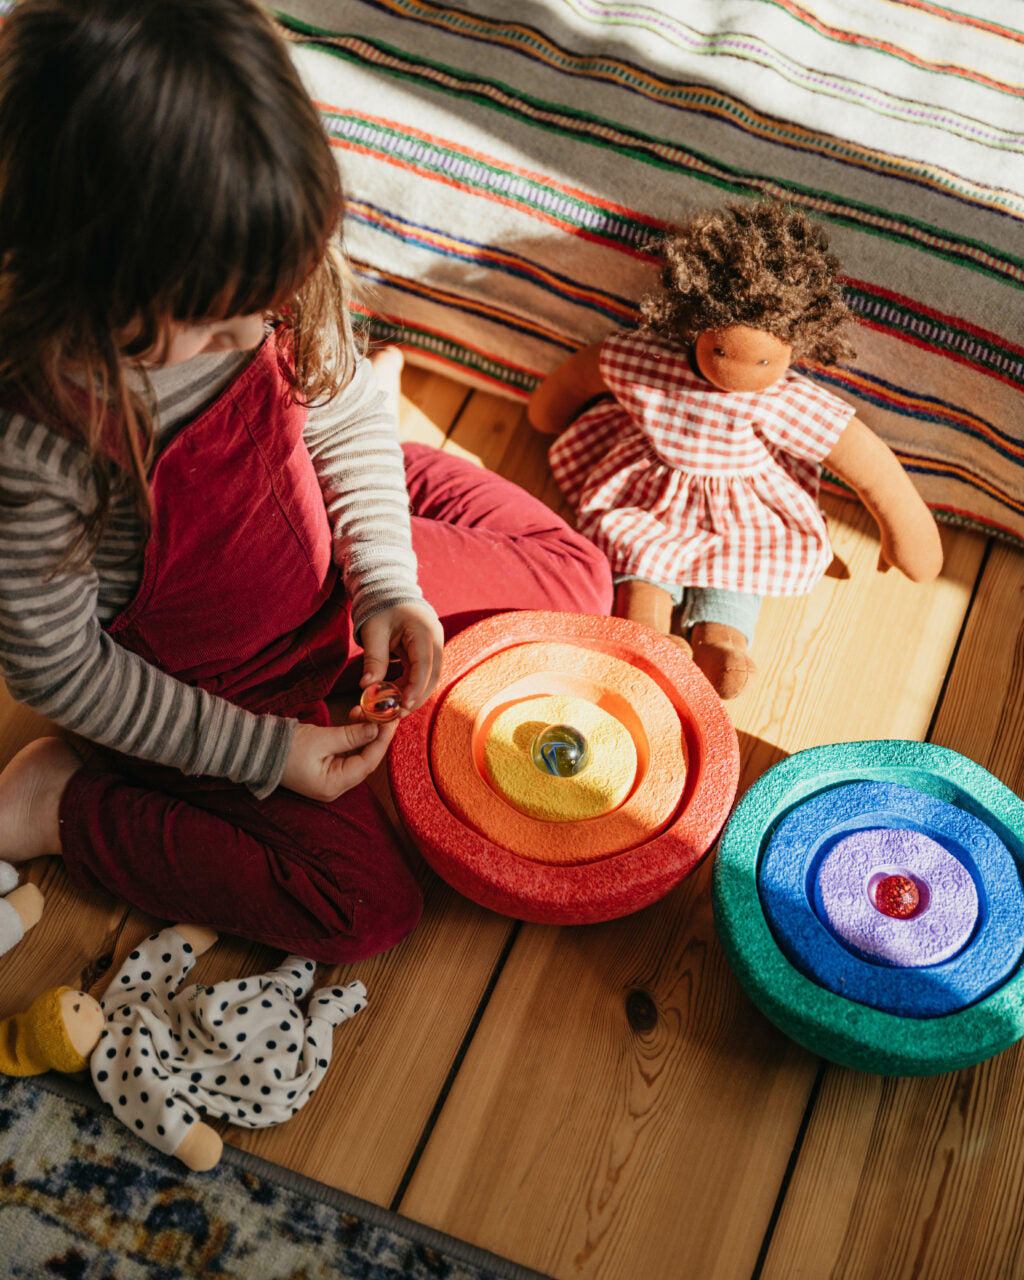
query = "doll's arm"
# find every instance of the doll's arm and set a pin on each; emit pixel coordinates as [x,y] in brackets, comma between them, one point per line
[295,974]
[334,1005]
[198,936]
[909,534]
[153,1105]
[161,962]
[563,393]
[19,911]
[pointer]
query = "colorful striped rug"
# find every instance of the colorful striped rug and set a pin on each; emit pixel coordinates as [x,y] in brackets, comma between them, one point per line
[507,166]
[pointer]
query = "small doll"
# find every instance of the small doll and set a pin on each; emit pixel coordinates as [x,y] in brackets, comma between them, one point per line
[699,476]
[241,1050]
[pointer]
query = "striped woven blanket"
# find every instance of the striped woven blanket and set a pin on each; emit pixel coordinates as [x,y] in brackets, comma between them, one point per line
[508,164]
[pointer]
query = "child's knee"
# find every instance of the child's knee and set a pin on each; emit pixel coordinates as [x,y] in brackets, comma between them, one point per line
[384,919]
[585,574]
[377,915]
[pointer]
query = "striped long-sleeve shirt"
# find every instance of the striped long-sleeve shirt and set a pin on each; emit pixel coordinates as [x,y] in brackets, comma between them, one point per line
[55,655]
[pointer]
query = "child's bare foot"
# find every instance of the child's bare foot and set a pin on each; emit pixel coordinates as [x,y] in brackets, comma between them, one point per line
[721,653]
[30,790]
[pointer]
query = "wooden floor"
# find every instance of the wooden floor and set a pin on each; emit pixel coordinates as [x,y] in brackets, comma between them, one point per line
[504,1087]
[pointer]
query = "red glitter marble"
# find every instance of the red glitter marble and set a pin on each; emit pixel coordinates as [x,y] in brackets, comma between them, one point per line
[897,896]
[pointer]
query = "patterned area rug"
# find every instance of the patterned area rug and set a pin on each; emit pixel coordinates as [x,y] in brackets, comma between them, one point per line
[82,1199]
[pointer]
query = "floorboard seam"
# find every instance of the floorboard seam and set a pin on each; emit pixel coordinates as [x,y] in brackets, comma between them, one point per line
[463,1049]
[794,1156]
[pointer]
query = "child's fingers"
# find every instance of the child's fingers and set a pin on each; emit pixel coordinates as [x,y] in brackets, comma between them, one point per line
[347,771]
[375,665]
[423,666]
[343,738]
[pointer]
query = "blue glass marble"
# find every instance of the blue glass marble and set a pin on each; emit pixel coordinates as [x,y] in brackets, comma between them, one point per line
[561,751]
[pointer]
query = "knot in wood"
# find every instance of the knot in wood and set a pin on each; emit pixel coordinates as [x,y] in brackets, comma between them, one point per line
[641,1011]
[92,973]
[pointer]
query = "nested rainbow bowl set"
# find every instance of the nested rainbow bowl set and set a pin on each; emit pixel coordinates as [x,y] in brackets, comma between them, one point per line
[868,896]
[492,821]
[571,769]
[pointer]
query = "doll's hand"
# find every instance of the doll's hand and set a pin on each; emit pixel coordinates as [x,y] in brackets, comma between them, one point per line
[325,762]
[916,552]
[198,936]
[201,1147]
[413,633]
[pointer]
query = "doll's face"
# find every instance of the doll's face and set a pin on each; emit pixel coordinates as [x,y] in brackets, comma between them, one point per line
[742,359]
[83,1019]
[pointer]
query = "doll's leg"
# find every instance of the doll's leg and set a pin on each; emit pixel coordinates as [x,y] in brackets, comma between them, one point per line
[649,603]
[721,626]
[326,881]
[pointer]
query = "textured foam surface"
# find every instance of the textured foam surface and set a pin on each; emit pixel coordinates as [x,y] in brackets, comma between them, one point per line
[599,787]
[940,919]
[614,885]
[839,1029]
[807,838]
[552,668]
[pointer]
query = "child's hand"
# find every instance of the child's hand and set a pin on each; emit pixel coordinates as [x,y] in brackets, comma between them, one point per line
[326,761]
[413,633]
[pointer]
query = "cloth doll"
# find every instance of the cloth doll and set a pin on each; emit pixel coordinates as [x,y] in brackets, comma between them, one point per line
[691,450]
[160,1053]
[21,906]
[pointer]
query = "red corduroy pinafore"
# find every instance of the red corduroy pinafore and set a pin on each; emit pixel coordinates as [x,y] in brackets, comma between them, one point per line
[238,592]
[239,596]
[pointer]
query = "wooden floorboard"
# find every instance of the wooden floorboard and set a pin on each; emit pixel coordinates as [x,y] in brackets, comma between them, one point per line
[605,1102]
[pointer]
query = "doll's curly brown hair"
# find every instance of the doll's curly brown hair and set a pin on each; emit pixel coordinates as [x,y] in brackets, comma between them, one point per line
[766,266]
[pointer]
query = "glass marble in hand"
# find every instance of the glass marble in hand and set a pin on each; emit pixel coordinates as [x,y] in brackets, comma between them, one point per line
[561,751]
[381,701]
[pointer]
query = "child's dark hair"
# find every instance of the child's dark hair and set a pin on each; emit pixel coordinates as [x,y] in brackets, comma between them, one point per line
[159,162]
[765,266]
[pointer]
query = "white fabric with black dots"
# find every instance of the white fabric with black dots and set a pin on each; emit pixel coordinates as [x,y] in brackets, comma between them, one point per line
[12,929]
[242,1050]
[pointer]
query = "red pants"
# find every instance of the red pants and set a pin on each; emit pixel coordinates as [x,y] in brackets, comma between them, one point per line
[325,881]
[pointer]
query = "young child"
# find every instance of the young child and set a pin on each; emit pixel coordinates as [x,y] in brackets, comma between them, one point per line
[203,503]
[699,478]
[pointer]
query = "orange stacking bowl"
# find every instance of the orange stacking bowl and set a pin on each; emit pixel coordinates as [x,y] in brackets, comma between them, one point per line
[659,782]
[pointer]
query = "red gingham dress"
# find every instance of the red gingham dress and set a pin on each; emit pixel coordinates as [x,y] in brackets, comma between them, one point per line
[680,483]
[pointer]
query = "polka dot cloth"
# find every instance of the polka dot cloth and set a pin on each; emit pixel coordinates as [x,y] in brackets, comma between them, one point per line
[241,1050]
